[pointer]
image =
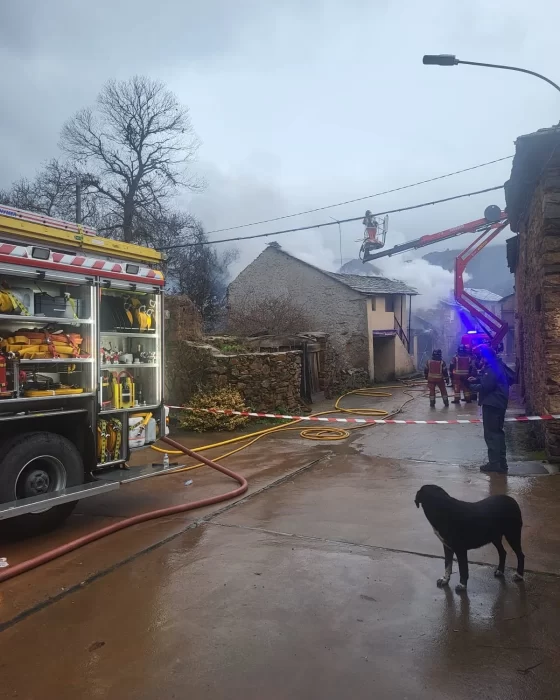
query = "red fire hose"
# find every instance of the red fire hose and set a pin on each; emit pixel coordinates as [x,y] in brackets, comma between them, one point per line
[136,519]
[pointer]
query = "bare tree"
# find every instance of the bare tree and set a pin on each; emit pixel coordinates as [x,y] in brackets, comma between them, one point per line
[198,270]
[137,142]
[53,192]
[268,315]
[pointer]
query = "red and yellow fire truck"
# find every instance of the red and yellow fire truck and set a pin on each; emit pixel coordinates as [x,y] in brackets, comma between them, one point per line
[81,364]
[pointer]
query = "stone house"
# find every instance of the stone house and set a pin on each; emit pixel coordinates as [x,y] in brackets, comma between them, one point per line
[533,205]
[367,318]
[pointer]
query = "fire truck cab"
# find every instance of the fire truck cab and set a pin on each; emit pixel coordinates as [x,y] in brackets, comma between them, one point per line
[81,364]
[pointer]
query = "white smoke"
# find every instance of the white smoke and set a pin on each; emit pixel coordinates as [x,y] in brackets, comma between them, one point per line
[432,282]
[233,198]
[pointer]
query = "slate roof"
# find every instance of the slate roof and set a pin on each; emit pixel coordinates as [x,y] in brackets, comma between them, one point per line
[483,294]
[372,285]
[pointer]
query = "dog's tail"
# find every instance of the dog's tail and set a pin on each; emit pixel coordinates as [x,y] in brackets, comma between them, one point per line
[513,511]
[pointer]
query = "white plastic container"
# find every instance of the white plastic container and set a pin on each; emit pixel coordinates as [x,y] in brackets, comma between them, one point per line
[136,431]
[151,431]
[26,297]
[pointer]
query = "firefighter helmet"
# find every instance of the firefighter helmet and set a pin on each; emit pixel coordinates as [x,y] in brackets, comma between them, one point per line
[436,354]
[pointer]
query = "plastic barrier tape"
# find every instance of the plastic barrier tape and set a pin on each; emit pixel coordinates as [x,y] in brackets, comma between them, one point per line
[377,421]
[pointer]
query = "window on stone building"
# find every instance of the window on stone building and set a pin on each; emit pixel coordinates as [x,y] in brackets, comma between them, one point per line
[390,303]
[373,303]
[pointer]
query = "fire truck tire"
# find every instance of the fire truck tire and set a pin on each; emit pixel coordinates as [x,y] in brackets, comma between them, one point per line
[35,463]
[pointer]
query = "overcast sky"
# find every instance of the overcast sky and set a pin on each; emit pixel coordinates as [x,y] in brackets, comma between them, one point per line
[300,103]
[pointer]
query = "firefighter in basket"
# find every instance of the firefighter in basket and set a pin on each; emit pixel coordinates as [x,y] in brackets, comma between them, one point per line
[460,370]
[437,375]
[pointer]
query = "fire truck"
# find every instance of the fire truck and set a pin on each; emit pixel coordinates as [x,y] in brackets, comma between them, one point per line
[81,365]
[495,220]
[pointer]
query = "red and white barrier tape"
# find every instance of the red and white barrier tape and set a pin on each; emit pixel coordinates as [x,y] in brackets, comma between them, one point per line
[377,421]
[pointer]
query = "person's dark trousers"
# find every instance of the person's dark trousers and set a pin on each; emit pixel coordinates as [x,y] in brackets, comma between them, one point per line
[493,422]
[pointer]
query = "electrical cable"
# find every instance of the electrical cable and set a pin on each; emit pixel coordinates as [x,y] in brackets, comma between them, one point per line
[360,199]
[334,223]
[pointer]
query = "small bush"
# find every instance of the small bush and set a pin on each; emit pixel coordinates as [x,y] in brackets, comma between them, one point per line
[224,398]
[277,315]
[231,348]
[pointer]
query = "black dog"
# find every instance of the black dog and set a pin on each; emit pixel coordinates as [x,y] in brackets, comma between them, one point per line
[462,526]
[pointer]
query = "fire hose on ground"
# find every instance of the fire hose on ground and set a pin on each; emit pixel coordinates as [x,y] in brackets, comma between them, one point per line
[319,433]
[136,519]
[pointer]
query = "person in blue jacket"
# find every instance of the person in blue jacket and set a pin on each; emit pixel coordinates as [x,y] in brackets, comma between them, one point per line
[492,387]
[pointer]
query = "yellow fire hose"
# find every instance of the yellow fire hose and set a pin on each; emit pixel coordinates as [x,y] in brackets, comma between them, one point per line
[314,433]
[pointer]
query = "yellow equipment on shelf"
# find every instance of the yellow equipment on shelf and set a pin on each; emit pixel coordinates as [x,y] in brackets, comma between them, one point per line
[42,344]
[109,436]
[61,391]
[124,390]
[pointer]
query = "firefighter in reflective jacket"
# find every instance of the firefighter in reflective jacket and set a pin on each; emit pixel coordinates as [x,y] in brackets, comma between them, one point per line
[461,369]
[436,373]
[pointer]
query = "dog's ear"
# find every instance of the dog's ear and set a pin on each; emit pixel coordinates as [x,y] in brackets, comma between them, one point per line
[417,499]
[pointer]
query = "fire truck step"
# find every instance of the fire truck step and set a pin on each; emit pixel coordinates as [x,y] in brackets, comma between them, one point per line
[49,500]
[143,471]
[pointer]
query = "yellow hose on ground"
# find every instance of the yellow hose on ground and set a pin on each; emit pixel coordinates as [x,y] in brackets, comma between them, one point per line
[312,433]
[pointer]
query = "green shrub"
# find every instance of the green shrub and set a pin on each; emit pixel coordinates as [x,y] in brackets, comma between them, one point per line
[231,348]
[224,398]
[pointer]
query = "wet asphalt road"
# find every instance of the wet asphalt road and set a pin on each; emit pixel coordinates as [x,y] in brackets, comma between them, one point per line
[317,585]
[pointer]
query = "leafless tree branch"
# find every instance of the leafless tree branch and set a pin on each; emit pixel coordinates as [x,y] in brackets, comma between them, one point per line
[139,142]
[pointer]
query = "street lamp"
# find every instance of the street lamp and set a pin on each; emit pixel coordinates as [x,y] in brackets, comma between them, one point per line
[445,59]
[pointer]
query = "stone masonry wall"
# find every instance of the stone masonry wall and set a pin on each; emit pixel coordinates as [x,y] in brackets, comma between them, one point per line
[182,319]
[538,298]
[266,380]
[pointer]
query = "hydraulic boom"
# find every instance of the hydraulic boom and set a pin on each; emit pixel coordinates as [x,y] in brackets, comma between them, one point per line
[489,227]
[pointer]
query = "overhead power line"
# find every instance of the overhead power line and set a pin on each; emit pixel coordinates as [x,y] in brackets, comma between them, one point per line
[361,199]
[333,223]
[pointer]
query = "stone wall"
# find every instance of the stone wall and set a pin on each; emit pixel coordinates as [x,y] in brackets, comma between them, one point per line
[538,295]
[533,199]
[266,381]
[182,319]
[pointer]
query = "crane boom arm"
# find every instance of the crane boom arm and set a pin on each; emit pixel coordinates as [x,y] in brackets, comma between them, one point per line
[488,228]
[471,227]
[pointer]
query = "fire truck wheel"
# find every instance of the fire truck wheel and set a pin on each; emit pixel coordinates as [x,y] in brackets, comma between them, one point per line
[33,464]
